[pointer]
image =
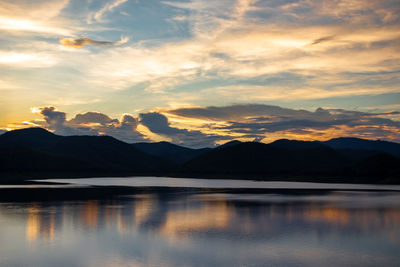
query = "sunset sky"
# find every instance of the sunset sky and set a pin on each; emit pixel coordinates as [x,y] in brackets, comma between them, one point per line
[200,73]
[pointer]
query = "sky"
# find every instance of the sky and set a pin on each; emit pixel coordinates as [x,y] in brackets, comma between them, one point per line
[201,73]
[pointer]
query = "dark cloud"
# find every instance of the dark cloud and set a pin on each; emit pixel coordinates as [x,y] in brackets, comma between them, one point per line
[257,139]
[259,120]
[92,123]
[129,122]
[81,42]
[125,130]
[91,117]
[56,121]
[159,124]
[323,40]
[249,122]
[53,117]
[236,111]
[319,120]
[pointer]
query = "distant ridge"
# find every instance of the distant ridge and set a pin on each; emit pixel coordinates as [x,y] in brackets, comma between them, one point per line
[230,143]
[277,158]
[38,153]
[363,144]
[313,161]
[296,145]
[28,137]
[175,153]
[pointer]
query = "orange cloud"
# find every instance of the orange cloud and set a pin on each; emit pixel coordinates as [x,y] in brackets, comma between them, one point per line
[81,42]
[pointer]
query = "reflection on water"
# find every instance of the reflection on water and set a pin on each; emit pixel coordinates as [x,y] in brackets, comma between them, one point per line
[208,217]
[89,214]
[38,225]
[205,229]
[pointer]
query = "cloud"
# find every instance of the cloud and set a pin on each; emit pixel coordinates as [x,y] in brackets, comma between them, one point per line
[39,10]
[207,126]
[126,129]
[322,39]
[237,112]
[109,7]
[242,49]
[27,60]
[272,122]
[81,42]
[90,123]
[42,18]
[91,117]
[220,52]
[159,124]
[53,117]
[209,19]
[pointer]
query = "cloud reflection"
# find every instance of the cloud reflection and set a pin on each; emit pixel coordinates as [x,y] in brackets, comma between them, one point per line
[182,218]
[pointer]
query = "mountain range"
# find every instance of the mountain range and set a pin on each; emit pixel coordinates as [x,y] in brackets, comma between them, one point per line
[37,153]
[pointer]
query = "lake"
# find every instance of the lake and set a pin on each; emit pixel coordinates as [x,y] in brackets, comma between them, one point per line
[339,225]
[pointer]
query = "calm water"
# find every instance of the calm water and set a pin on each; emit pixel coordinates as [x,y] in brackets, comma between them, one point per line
[205,229]
[213,183]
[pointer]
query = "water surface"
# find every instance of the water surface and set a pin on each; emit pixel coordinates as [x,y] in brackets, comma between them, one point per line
[338,228]
[214,183]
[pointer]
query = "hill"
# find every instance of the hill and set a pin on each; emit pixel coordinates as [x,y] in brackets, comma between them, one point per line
[38,153]
[274,159]
[172,152]
[297,160]
[350,143]
[35,152]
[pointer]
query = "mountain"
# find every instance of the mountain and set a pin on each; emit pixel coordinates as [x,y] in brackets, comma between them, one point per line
[363,144]
[297,145]
[34,138]
[311,161]
[37,152]
[230,143]
[274,159]
[379,168]
[107,152]
[172,152]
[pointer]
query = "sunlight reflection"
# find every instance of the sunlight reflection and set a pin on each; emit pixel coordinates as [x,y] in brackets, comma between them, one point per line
[90,214]
[143,207]
[39,225]
[173,221]
[210,216]
[32,223]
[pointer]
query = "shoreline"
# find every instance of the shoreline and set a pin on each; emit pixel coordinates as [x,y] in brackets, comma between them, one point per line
[71,192]
[389,180]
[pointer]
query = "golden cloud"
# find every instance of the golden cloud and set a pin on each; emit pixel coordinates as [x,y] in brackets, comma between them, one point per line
[81,42]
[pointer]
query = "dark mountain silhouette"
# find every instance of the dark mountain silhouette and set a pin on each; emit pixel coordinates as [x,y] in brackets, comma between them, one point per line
[34,138]
[297,145]
[376,168]
[25,160]
[312,161]
[37,153]
[363,144]
[230,143]
[354,155]
[276,159]
[358,154]
[172,152]
[378,163]
[107,152]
